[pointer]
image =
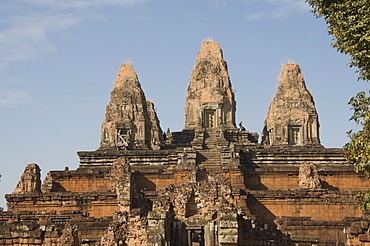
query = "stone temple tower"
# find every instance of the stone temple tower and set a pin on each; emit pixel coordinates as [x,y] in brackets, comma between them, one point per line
[210,101]
[130,121]
[292,118]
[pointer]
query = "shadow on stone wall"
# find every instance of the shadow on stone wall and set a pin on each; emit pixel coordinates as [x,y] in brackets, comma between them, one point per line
[263,215]
[143,183]
[252,180]
[326,185]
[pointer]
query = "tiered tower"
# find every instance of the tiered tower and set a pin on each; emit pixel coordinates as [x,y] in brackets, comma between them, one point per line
[292,118]
[210,100]
[130,121]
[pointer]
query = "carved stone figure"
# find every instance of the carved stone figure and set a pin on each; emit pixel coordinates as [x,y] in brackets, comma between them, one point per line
[292,118]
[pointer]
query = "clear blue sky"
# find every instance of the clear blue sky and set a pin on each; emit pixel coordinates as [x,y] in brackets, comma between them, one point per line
[59,59]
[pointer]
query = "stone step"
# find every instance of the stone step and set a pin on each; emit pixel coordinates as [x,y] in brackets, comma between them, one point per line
[209,159]
[212,140]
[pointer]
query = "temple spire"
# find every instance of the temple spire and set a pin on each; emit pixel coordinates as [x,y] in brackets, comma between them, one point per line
[126,73]
[210,101]
[129,123]
[292,118]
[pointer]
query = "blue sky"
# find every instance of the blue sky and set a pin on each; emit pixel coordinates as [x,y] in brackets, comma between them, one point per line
[59,59]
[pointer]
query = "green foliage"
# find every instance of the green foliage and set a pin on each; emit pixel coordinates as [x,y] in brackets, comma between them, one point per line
[197,76]
[349,24]
[364,199]
[357,150]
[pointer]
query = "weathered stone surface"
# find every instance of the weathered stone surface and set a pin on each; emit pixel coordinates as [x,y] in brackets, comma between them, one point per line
[115,234]
[203,198]
[156,231]
[128,123]
[155,129]
[27,232]
[30,180]
[210,101]
[47,185]
[308,176]
[355,229]
[228,224]
[121,183]
[364,238]
[69,236]
[292,118]
[125,229]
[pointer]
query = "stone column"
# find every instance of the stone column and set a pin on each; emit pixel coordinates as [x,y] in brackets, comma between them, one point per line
[209,234]
[156,228]
[228,228]
[121,182]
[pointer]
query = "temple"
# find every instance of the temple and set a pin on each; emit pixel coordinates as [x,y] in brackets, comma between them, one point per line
[212,184]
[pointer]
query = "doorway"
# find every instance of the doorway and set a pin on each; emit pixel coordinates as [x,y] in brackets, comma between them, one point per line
[210,118]
[196,237]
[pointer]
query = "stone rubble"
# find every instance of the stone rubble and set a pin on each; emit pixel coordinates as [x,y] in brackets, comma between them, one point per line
[209,196]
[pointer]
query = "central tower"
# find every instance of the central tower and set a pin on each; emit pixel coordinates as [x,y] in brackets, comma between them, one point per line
[210,102]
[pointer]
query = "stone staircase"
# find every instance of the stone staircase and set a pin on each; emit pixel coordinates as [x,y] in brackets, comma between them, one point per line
[209,156]
[209,159]
[212,140]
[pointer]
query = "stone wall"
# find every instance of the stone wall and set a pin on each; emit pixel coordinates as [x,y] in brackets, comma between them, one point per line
[95,204]
[80,180]
[287,177]
[304,231]
[42,228]
[319,205]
